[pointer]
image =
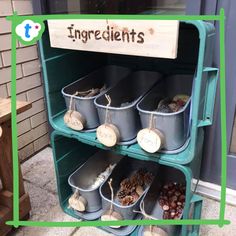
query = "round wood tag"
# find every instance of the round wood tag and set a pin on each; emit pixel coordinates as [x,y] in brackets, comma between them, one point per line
[150,140]
[108,135]
[78,203]
[74,120]
[154,231]
[111,216]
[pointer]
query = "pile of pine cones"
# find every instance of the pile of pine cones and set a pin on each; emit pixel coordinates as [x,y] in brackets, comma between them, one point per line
[132,188]
[172,200]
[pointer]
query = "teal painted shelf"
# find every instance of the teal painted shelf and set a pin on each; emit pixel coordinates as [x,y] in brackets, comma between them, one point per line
[71,149]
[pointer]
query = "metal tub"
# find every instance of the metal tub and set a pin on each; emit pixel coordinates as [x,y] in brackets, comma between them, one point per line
[108,75]
[84,177]
[151,199]
[124,169]
[124,98]
[174,126]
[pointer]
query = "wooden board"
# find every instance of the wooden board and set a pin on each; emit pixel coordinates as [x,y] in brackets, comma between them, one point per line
[150,38]
[6,169]
[5,108]
[5,215]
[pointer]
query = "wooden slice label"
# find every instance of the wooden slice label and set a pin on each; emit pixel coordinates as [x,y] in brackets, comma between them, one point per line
[154,231]
[150,140]
[108,135]
[78,202]
[112,216]
[74,120]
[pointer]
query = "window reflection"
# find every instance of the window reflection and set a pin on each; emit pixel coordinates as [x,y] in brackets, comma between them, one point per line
[116,7]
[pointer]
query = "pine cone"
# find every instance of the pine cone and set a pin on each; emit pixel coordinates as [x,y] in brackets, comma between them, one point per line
[126,201]
[126,184]
[135,196]
[139,190]
[148,178]
[121,194]
[136,180]
[141,172]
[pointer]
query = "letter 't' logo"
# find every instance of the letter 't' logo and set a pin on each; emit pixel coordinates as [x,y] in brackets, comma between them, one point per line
[28,30]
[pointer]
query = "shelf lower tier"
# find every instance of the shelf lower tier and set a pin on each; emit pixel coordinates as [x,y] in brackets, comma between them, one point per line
[69,154]
[191,230]
[132,150]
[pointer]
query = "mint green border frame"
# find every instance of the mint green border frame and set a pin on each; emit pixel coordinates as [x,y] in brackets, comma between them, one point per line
[16,222]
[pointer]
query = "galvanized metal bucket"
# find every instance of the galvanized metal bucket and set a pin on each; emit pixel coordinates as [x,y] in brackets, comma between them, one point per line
[124,169]
[124,97]
[174,126]
[150,201]
[108,76]
[84,177]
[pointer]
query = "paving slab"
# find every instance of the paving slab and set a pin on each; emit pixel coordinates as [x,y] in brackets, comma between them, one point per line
[211,210]
[41,200]
[55,214]
[51,186]
[39,169]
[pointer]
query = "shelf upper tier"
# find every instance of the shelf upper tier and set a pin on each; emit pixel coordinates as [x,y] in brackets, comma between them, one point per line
[132,150]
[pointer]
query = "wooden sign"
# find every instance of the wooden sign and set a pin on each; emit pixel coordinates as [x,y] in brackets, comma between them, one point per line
[150,38]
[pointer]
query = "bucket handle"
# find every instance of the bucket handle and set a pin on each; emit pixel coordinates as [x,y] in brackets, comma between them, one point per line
[210,93]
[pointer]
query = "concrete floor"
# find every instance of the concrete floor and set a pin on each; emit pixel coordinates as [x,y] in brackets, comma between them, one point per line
[40,182]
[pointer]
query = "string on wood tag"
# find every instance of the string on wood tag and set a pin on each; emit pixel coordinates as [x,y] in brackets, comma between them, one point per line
[71,101]
[112,196]
[152,230]
[111,215]
[73,118]
[142,211]
[152,121]
[107,109]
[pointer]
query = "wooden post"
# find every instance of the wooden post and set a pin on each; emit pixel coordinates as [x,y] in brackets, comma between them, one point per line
[6,168]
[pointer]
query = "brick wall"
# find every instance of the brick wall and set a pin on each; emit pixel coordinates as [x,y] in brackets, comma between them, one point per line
[32,124]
